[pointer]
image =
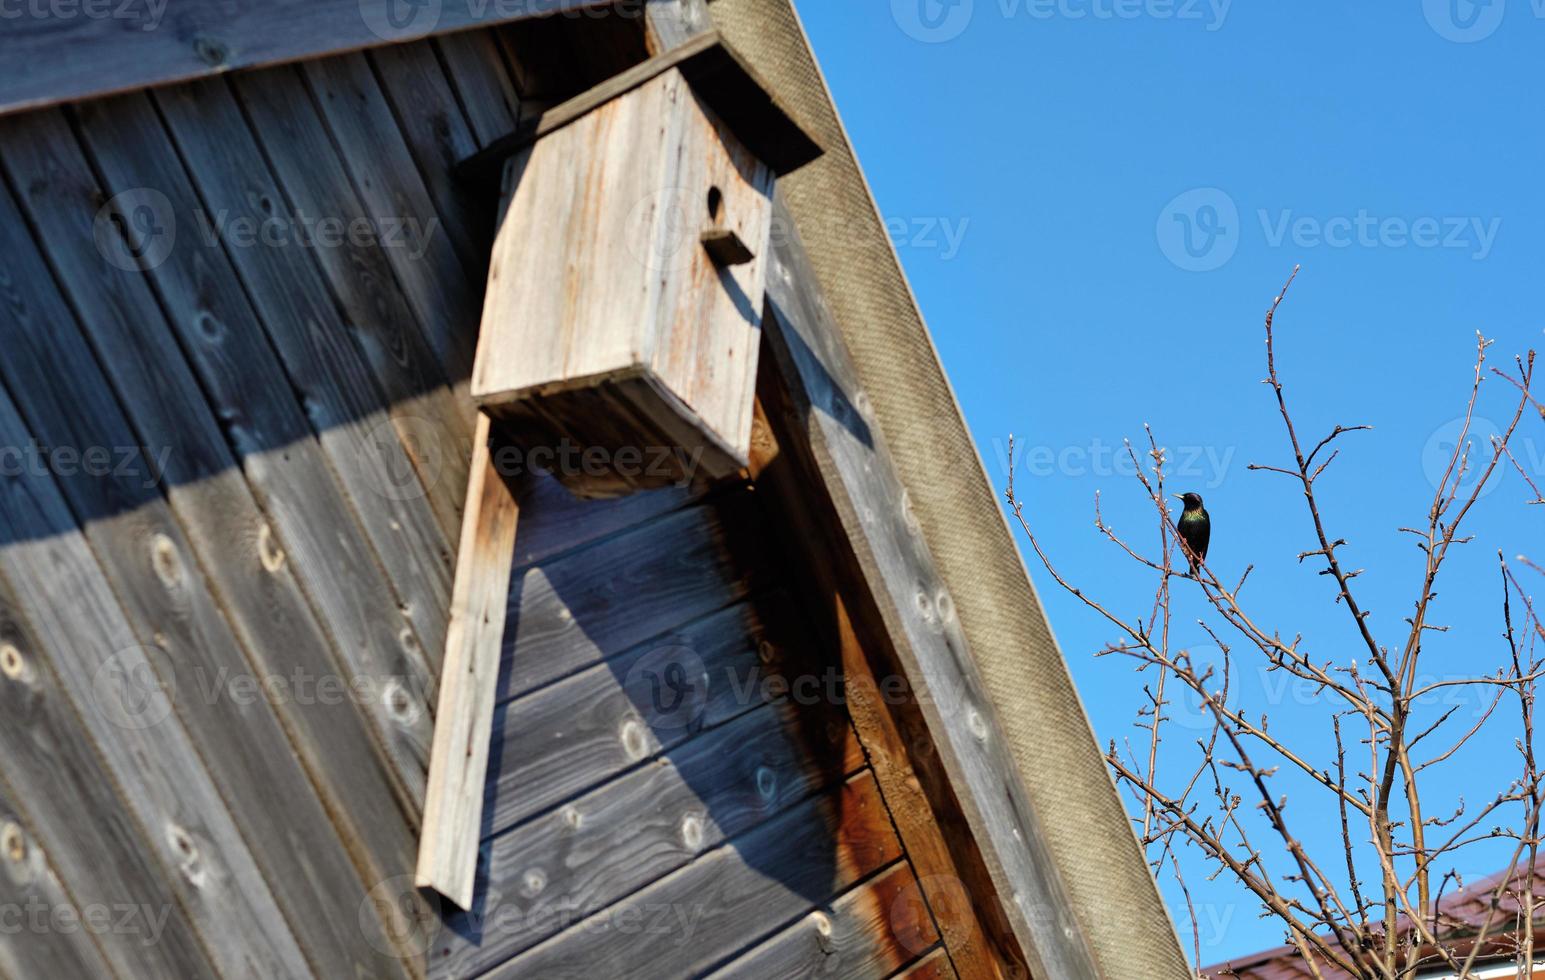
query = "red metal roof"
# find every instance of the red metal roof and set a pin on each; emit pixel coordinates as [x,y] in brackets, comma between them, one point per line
[1461,913]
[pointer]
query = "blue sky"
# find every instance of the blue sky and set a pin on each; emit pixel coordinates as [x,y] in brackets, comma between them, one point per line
[1096,199]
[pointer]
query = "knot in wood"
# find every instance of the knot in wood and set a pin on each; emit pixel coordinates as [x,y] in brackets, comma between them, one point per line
[13,664]
[533,882]
[13,840]
[692,831]
[269,552]
[166,561]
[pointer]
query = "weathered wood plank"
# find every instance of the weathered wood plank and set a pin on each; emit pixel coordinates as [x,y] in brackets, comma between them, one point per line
[47,932]
[672,23]
[458,765]
[279,453]
[114,680]
[445,294]
[437,134]
[50,762]
[314,344]
[435,427]
[133,46]
[158,577]
[485,89]
[260,563]
[573,735]
[915,613]
[886,715]
[871,931]
[558,522]
[598,602]
[729,899]
[603,845]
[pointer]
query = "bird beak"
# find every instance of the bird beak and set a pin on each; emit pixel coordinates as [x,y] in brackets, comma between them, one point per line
[1178,496]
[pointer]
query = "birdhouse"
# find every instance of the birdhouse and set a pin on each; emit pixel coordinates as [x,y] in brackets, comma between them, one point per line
[622,320]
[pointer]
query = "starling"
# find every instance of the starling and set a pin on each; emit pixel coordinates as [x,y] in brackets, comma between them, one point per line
[1195,529]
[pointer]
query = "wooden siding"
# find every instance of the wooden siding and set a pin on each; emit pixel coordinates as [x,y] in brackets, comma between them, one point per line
[223,651]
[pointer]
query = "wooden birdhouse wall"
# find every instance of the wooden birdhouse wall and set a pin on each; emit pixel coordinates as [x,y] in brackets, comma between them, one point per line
[608,322]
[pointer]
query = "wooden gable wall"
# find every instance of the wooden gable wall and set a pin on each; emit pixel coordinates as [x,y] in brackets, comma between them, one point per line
[288,430]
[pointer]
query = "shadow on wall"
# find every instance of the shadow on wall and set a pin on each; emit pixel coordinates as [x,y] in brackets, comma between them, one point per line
[641,729]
